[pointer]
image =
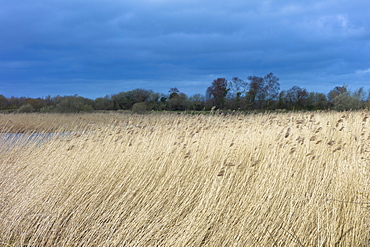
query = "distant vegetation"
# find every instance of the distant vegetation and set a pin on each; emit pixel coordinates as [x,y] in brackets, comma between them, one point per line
[257,93]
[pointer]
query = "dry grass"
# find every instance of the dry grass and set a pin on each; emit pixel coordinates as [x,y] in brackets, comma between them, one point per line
[295,179]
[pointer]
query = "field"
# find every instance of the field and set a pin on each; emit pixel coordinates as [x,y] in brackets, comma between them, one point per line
[277,179]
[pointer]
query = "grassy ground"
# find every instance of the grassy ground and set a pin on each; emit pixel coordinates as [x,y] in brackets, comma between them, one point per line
[289,179]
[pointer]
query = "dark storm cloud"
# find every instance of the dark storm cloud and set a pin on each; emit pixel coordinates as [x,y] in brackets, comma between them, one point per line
[98,47]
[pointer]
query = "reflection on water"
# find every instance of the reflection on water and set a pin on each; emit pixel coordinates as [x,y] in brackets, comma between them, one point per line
[8,140]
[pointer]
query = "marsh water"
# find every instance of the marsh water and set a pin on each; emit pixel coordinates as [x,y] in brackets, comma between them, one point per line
[8,140]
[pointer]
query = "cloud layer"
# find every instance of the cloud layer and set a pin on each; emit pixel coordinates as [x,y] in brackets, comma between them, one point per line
[97,47]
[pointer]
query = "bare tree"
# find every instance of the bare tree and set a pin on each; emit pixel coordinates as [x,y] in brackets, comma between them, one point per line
[272,87]
[256,88]
[263,90]
[238,87]
[297,96]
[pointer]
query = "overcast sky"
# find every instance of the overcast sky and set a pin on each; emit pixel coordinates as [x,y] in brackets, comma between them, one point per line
[98,47]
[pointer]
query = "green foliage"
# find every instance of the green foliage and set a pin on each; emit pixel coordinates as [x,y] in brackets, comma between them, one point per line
[258,93]
[174,92]
[72,104]
[126,100]
[178,102]
[47,109]
[140,107]
[87,108]
[103,104]
[317,101]
[196,102]
[367,104]
[337,91]
[345,101]
[3,102]
[28,108]
[37,104]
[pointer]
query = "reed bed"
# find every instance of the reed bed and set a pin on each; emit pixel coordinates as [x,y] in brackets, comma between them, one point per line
[287,179]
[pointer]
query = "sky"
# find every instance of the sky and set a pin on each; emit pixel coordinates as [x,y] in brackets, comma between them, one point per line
[95,48]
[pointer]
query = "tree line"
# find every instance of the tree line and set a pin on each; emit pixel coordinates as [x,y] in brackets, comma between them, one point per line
[256,93]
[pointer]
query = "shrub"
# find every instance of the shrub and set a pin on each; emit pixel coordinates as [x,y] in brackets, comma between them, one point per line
[140,107]
[28,108]
[47,109]
[87,108]
[345,101]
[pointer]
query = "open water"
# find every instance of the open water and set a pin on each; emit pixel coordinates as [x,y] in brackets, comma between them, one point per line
[9,140]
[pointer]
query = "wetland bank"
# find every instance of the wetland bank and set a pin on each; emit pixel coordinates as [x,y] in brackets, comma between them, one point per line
[277,179]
